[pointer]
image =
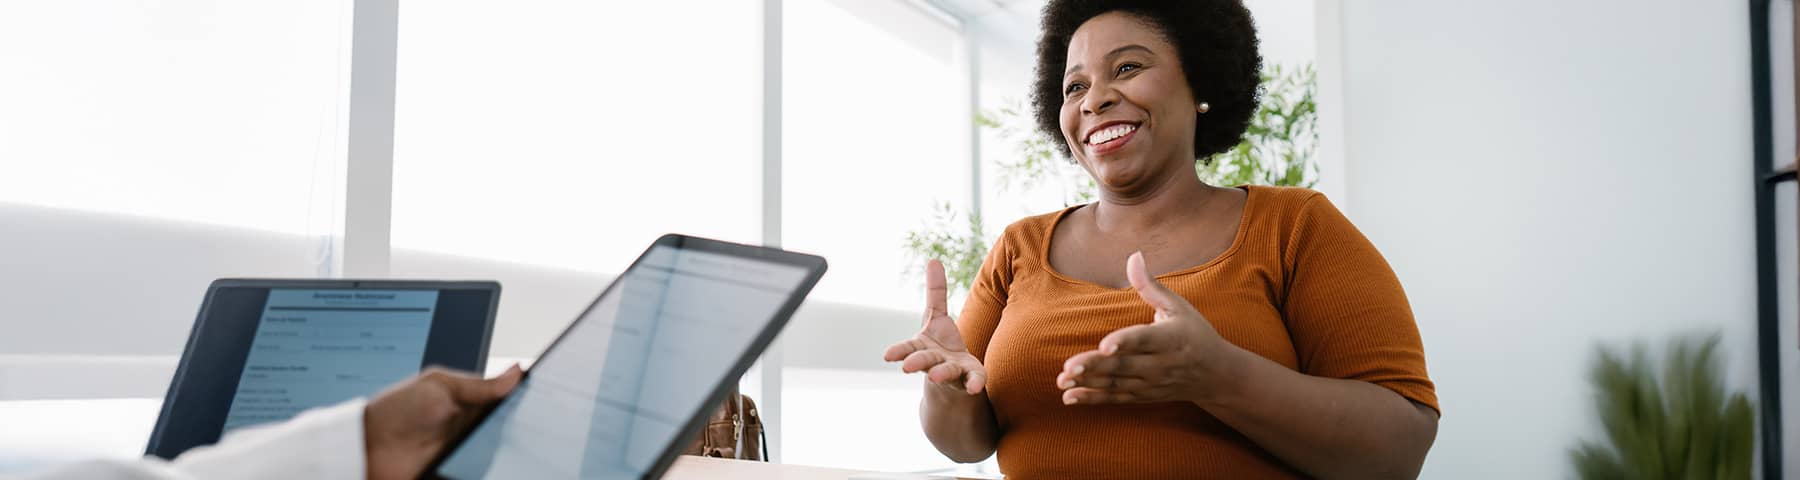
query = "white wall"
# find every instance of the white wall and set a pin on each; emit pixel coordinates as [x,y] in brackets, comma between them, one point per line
[1544,175]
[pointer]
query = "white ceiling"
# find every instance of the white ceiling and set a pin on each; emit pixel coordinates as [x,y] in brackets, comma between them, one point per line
[982,8]
[1285,27]
[1009,20]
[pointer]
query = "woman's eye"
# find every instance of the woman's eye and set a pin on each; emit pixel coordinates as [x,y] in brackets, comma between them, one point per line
[1129,67]
[1072,88]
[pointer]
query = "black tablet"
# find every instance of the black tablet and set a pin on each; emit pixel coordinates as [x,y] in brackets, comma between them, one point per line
[630,382]
[264,350]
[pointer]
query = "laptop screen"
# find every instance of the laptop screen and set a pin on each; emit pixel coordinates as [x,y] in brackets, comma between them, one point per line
[263,350]
[613,394]
[318,347]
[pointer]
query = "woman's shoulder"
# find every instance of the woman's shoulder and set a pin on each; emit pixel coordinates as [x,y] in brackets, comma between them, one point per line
[1038,223]
[1286,206]
[1283,213]
[1285,199]
[1032,233]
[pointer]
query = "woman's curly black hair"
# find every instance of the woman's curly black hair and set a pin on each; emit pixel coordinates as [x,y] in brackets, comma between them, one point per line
[1215,40]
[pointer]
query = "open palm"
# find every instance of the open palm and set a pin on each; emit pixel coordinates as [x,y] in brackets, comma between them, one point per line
[938,349]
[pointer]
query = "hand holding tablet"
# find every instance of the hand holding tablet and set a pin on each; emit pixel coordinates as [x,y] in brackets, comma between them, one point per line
[626,386]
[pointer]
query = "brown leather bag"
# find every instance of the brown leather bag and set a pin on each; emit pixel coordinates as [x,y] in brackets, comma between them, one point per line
[735,431]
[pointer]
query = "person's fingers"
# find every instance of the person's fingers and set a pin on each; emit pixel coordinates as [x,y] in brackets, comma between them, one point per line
[976,381]
[1090,396]
[972,377]
[1165,301]
[437,375]
[1094,364]
[1109,383]
[1088,363]
[922,360]
[506,381]
[944,372]
[937,290]
[899,351]
[1146,338]
[467,389]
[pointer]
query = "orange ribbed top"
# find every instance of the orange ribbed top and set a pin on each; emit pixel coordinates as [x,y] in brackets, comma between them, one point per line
[1299,285]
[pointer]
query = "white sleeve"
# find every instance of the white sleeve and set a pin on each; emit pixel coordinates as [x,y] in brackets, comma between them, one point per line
[323,443]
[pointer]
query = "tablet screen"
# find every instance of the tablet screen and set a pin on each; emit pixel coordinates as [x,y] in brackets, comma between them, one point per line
[614,392]
[318,347]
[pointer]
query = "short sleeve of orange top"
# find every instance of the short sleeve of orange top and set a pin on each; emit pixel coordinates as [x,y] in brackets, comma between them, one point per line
[1299,285]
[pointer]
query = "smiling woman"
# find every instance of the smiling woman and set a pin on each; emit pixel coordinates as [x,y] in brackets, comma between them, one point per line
[1218,61]
[1172,328]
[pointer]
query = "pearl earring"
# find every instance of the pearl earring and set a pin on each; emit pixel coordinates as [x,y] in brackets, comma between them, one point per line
[1204,107]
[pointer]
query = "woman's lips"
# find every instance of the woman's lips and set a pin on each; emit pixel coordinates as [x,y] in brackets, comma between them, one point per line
[1111,146]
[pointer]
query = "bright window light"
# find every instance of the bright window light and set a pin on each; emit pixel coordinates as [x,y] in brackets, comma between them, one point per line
[874,134]
[570,133]
[875,126]
[226,113]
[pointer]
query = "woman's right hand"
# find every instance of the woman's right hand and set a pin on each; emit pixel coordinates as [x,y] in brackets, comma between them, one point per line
[938,349]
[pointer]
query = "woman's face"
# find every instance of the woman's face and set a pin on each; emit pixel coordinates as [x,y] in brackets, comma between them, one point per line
[1127,113]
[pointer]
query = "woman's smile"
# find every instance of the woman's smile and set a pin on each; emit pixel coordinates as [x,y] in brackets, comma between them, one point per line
[1110,137]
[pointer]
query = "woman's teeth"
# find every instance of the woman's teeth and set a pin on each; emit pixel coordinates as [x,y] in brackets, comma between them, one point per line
[1110,133]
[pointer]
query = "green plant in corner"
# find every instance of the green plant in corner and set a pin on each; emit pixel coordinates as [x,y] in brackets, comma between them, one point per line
[1680,423]
[1277,149]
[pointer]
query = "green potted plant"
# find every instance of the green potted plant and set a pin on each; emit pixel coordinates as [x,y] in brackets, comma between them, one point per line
[1679,423]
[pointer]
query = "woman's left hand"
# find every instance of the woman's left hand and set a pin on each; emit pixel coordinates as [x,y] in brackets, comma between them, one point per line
[1178,357]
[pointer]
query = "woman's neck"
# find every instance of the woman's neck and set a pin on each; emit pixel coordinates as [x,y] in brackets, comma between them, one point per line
[1172,198]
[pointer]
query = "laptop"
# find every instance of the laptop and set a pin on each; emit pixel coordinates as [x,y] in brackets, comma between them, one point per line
[631,381]
[263,350]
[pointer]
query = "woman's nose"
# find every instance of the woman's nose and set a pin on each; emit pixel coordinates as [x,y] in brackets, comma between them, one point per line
[1099,99]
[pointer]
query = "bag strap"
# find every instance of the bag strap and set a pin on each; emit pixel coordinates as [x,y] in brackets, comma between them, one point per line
[737,423]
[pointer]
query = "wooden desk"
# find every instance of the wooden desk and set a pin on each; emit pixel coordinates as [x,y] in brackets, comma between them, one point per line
[703,468]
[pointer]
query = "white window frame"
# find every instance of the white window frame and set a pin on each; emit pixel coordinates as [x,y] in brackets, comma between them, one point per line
[365,246]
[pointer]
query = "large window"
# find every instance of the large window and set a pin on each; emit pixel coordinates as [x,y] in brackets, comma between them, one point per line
[875,135]
[545,143]
[569,134]
[216,112]
[149,147]
[875,128]
[542,143]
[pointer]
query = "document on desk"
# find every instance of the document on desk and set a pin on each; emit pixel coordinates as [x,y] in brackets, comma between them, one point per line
[319,347]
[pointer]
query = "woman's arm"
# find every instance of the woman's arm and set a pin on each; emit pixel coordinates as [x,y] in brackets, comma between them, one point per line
[960,425]
[954,412]
[1352,413]
[1327,427]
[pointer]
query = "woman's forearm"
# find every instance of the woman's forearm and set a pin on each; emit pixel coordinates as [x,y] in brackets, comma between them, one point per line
[960,425]
[1329,428]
